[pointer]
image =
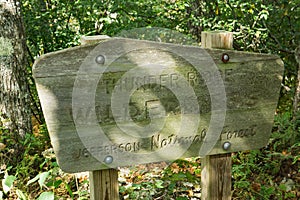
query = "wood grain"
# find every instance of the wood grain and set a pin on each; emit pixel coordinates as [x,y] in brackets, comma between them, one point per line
[104,184]
[216,169]
[251,81]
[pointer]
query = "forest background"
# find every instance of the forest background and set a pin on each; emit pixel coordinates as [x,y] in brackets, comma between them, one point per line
[29,169]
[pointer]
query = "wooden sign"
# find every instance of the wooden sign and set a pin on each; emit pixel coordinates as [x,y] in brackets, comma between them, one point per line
[124,102]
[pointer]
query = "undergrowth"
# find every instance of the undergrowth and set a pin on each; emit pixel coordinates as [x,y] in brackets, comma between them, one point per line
[269,173]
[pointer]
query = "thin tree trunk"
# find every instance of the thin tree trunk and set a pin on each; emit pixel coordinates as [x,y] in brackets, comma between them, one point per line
[296,106]
[15,112]
[195,10]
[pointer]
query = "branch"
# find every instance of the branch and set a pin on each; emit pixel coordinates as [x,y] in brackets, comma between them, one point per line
[277,41]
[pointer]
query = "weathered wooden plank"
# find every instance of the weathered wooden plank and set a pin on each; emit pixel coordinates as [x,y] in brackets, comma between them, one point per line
[247,78]
[237,78]
[216,169]
[104,185]
[217,177]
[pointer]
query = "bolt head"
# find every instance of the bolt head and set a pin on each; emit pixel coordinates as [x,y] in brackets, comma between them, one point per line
[100,59]
[226,145]
[108,159]
[225,57]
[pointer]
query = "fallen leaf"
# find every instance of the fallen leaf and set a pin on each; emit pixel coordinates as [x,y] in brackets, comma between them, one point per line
[2,146]
[191,193]
[175,168]
[256,187]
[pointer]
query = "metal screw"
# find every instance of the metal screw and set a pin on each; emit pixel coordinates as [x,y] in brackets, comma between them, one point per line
[226,145]
[225,57]
[100,59]
[108,159]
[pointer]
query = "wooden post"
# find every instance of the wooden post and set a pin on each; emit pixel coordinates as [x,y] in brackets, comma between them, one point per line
[104,184]
[93,39]
[217,39]
[216,169]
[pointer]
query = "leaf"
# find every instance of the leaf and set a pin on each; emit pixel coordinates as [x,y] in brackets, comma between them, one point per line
[42,178]
[7,183]
[69,190]
[175,168]
[33,180]
[21,195]
[56,183]
[289,185]
[1,195]
[159,184]
[46,196]
[171,187]
[282,187]
[2,146]
[136,186]
[181,198]
[256,187]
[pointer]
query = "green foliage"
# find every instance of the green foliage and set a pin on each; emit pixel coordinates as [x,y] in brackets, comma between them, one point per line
[53,24]
[37,175]
[46,196]
[41,178]
[7,182]
[286,131]
[269,173]
[260,26]
[179,180]
[50,25]
[21,195]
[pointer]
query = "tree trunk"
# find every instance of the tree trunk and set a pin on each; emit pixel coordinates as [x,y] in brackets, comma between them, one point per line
[297,93]
[15,112]
[195,10]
